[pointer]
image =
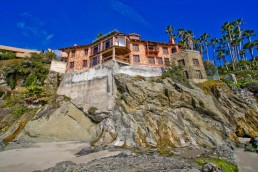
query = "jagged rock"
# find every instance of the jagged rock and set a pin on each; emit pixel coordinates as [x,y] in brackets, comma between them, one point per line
[2,145]
[53,79]
[164,115]
[253,87]
[97,116]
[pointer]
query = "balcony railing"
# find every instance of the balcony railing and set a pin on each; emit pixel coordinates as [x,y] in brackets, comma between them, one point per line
[123,59]
[117,58]
[154,50]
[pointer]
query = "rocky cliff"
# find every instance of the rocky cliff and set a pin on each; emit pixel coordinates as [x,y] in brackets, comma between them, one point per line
[155,113]
[147,112]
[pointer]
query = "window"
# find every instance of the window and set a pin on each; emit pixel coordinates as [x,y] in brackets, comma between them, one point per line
[181,62]
[85,63]
[165,50]
[160,60]
[136,59]
[186,74]
[174,50]
[86,51]
[96,49]
[73,53]
[166,61]
[135,47]
[195,62]
[121,41]
[71,65]
[94,61]
[107,44]
[151,60]
[199,74]
[151,47]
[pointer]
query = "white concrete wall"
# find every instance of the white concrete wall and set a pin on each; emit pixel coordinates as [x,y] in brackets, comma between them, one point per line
[95,87]
[58,66]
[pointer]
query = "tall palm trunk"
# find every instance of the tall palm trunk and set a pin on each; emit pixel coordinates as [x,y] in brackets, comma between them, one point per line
[225,62]
[207,52]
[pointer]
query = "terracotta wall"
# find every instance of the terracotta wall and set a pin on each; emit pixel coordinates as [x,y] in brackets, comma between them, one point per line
[80,56]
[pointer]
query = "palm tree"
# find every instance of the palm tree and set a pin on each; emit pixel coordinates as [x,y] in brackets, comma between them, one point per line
[180,35]
[204,38]
[221,55]
[99,35]
[237,23]
[249,46]
[248,34]
[242,54]
[198,45]
[169,31]
[226,40]
[214,42]
[227,28]
[188,38]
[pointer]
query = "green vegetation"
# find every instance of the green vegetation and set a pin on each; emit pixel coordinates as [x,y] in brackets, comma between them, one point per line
[4,55]
[211,86]
[19,110]
[224,164]
[29,71]
[232,47]
[92,110]
[176,74]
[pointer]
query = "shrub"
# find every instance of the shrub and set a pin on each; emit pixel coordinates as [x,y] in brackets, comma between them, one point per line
[31,80]
[19,111]
[210,85]
[224,164]
[138,77]
[7,55]
[34,90]
[92,110]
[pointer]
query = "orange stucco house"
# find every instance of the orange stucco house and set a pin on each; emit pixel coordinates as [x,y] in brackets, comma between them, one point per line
[127,49]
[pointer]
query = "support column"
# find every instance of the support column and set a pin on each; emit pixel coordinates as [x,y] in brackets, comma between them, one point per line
[100,58]
[114,53]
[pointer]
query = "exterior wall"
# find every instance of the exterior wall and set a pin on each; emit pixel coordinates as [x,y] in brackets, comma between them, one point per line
[95,87]
[188,56]
[143,55]
[78,59]
[58,66]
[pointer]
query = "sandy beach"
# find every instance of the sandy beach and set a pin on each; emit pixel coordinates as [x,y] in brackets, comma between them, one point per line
[44,155]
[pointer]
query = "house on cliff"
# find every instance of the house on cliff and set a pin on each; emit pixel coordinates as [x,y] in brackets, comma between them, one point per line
[131,50]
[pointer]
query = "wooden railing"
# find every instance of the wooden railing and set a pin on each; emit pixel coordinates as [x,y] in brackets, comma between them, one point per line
[123,59]
[152,51]
[105,59]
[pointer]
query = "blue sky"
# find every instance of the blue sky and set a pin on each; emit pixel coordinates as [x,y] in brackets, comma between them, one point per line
[42,24]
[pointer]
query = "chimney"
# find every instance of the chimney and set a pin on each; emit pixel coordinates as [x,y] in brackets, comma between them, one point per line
[134,36]
[172,40]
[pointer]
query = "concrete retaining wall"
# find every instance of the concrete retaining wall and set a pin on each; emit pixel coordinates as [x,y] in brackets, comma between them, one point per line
[58,66]
[95,87]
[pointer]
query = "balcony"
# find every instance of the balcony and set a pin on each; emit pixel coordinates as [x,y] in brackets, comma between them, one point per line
[121,59]
[152,51]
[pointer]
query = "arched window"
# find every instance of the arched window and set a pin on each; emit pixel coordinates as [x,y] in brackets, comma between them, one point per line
[174,50]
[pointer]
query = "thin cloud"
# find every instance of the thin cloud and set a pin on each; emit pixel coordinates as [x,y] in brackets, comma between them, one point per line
[129,12]
[33,28]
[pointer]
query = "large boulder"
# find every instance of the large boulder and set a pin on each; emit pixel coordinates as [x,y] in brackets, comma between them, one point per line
[66,123]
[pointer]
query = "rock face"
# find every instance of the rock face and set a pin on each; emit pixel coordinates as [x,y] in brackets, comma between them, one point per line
[153,114]
[66,123]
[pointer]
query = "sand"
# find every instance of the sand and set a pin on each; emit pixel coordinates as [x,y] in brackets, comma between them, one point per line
[246,161]
[44,155]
